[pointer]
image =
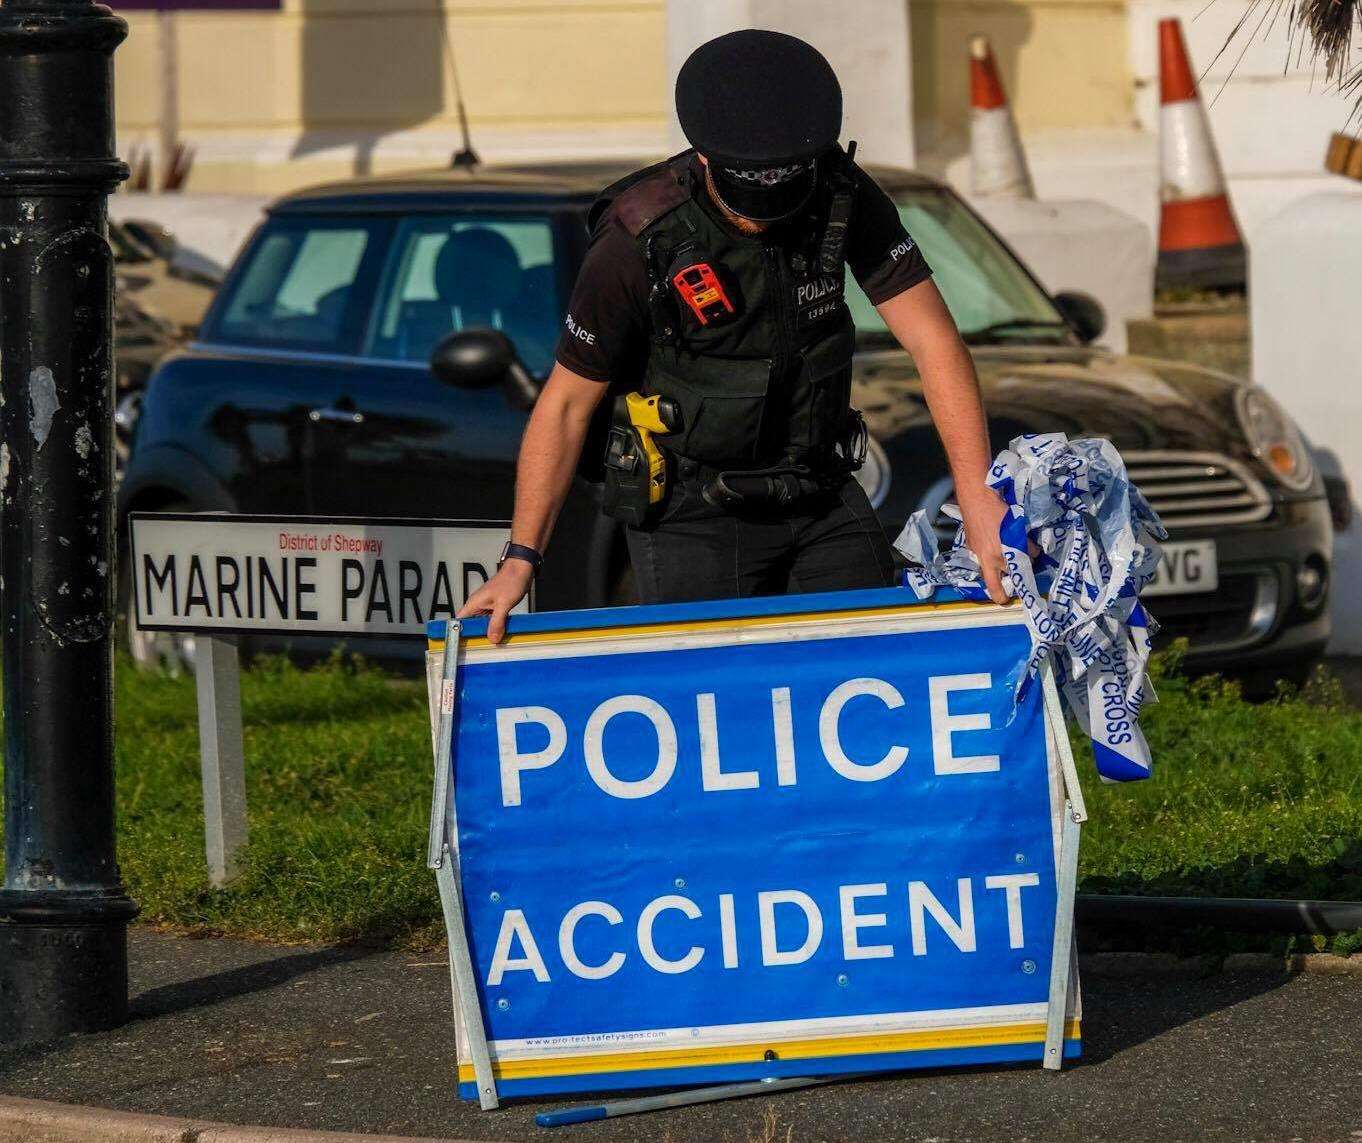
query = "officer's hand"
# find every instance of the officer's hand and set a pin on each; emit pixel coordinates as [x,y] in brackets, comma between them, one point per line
[983,517]
[498,595]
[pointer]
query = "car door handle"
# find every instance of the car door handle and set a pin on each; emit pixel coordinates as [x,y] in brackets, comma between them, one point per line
[336,416]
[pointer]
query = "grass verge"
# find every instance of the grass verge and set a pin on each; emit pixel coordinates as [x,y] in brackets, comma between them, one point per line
[337,784]
[1248,800]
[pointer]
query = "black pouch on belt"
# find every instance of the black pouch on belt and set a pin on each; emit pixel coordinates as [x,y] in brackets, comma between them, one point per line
[777,487]
[625,497]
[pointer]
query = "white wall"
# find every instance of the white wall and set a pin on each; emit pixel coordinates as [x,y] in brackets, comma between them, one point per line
[870,53]
[1271,118]
[210,228]
[1307,351]
[1270,110]
[1086,246]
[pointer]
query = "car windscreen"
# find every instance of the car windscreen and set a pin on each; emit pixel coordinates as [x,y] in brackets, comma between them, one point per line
[990,295]
[305,283]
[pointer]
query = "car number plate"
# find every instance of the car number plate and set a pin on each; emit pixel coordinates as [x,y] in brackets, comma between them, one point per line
[1187,567]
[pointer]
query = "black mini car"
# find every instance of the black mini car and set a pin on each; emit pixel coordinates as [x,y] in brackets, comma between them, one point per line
[311,390]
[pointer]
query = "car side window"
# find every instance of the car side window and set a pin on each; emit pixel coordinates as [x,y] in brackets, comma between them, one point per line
[467,271]
[304,285]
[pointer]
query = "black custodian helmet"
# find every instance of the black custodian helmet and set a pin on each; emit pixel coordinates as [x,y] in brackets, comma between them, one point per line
[761,107]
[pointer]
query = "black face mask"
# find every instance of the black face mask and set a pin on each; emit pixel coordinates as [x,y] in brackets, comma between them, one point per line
[763,194]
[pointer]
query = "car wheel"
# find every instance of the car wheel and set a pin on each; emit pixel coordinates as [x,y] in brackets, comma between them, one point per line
[152,650]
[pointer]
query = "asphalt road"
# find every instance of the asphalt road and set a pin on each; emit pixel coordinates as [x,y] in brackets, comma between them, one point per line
[359,1040]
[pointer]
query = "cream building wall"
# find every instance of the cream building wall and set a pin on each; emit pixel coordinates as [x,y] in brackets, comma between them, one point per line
[1065,63]
[327,88]
[330,88]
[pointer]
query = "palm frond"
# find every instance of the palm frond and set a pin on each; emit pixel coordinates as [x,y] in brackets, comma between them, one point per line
[1323,29]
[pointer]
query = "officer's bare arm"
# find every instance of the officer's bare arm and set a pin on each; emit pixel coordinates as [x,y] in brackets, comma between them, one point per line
[548,459]
[923,325]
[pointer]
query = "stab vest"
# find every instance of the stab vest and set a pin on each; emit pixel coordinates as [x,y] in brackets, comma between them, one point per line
[771,383]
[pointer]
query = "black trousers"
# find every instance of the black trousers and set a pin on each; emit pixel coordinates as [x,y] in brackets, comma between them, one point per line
[832,541]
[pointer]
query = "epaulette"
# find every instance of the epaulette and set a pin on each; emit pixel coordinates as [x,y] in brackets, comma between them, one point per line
[842,176]
[640,199]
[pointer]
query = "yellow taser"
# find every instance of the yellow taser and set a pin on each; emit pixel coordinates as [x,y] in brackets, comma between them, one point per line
[649,415]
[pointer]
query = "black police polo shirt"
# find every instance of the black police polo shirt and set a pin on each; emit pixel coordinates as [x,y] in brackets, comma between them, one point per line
[607,330]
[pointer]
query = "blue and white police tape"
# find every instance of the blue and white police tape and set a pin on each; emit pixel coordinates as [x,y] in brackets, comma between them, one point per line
[1098,542]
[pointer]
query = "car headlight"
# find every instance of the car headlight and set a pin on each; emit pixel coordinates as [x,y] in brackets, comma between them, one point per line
[875,475]
[1274,438]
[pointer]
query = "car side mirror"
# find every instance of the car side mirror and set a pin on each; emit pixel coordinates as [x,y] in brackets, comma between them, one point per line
[1084,313]
[479,359]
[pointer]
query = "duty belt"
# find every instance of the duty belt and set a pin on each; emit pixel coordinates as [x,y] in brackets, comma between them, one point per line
[783,484]
[776,486]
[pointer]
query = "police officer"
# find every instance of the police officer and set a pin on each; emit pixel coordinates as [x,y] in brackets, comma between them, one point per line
[714,282]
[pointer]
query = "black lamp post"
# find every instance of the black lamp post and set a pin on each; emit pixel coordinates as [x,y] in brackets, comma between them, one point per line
[63,912]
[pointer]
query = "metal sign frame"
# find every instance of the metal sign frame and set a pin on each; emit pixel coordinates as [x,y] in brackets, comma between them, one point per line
[446,651]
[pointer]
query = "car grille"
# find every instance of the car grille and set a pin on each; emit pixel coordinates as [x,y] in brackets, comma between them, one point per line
[1186,489]
[1198,489]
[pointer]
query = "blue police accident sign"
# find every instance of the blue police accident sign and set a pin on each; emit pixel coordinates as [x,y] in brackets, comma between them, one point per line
[710,843]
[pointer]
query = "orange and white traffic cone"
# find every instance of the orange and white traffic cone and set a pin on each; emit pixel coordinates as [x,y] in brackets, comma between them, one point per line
[1199,241]
[997,163]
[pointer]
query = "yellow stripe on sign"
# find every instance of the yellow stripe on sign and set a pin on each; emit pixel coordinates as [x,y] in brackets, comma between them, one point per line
[543,638]
[970,1037]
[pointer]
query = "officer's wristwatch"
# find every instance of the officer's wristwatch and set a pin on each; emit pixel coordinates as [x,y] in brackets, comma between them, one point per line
[521,552]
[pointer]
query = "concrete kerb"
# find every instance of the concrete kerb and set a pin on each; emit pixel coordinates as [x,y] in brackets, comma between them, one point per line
[37,1121]
[1123,965]
[1325,964]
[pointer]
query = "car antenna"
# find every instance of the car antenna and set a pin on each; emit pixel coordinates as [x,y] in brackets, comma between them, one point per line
[466,159]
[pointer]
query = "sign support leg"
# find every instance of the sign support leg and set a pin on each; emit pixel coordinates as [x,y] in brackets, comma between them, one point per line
[221,756]
[1061,959]
[686,1098]
[465,985]
[443,858]
[1064,957]
[1059,738]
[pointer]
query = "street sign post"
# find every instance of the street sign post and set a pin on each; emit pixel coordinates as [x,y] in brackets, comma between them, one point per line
[219,577]
[752,840]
